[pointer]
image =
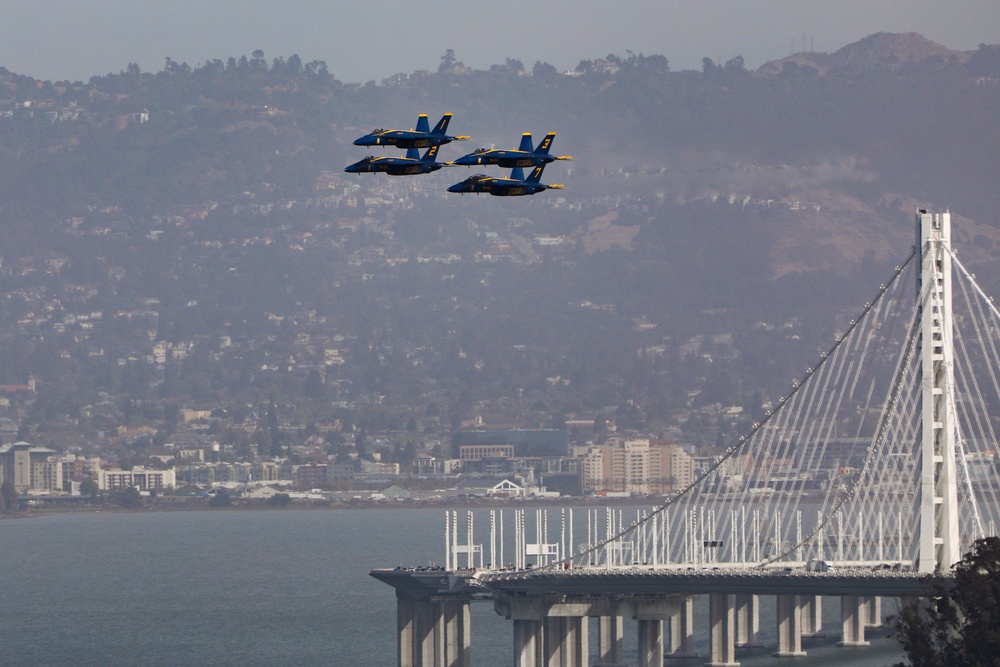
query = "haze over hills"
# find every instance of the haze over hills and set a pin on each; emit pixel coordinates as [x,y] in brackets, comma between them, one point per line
[188,237]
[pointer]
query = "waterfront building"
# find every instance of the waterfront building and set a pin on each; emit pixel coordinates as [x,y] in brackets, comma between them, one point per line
[637,466]
[548,442]
[138,477]
[30,468]
[429,465]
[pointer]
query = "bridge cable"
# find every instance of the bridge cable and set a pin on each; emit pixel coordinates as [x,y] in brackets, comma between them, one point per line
[744,440]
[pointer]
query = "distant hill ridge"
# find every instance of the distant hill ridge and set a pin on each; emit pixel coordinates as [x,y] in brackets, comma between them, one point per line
[881,50]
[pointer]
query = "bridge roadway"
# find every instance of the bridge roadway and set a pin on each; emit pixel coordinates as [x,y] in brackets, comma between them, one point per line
[640,581]
[549,608]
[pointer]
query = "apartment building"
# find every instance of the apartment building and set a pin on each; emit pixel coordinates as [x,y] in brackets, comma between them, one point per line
[640,466]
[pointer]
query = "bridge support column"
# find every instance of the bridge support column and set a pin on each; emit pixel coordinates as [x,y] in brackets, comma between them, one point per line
[748,621]
[566,643]
[455,646]
[555,641]
[853,614]
[650,615]
[567,636]
[682,631]
[529,633]
[650,643]
[722,623]
[466,635]
[789,616]
[577,648]
[873,609]
[611,640]
[527,643]
[405,632]
[812,616]
[424,634]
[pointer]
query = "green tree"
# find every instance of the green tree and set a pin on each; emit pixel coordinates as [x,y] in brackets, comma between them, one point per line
[129,498]
[221,499]
[960,626]
[89,487]
[9,496]
[279,500]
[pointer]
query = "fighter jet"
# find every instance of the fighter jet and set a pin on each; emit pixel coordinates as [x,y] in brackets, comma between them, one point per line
[422,137]
[399,166]
[524,156]
[514,186]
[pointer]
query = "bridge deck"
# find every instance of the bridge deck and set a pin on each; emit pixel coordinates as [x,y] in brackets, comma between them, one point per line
[639,582]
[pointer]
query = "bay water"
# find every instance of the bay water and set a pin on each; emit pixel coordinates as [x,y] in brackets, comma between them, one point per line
[271,588]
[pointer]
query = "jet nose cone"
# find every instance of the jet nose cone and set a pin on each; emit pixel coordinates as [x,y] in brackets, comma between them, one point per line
[466,161]
[351,168]
[455,188]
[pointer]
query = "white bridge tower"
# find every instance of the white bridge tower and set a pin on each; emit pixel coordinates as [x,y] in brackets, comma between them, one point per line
[939,534]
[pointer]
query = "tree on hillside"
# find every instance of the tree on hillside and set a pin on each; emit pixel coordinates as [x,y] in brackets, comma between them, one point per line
[959,627]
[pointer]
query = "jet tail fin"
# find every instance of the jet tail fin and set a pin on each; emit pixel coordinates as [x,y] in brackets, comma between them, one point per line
[430,155]
[422,124]
[442,125]
[546,144]
[526,144]
[412,154]
[536,174]
[517,174]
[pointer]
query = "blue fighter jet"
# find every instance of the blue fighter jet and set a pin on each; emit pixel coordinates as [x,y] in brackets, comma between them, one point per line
[523,156]
[514,186]
[422,137]
[399,166]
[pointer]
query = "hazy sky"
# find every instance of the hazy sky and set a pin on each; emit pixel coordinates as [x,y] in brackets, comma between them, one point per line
[362,40]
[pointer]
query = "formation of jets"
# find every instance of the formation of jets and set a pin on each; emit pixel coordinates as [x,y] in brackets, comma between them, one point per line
[424,137]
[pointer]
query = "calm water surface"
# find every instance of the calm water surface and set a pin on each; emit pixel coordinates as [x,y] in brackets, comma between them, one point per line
[276,588]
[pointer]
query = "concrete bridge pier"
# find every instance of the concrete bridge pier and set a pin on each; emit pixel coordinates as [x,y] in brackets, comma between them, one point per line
[528,619]
[649,616]
[873,605]
[405,632]
[611,640]
[789,616]
[527,643]
[748,621]
[651,644]
[853,614]
[566,638]
[722,626]
[433,632]
[549,634]
[682,631]
[456,625]
[812,616]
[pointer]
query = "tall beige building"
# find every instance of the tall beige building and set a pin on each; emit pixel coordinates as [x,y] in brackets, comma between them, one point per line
[641,466]
[30,468]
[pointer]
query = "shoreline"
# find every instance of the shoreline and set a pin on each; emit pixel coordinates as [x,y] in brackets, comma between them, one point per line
[198,504]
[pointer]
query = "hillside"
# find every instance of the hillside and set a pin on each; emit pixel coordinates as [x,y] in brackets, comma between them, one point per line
[188,237]
[879,51]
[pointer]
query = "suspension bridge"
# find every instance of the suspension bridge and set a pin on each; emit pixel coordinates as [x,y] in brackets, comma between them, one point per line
[876,469]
